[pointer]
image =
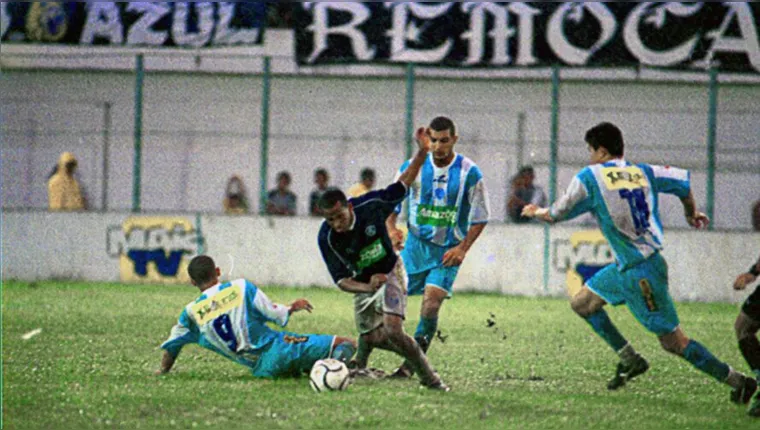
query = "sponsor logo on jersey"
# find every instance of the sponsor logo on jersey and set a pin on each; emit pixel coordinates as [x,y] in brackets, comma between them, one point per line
[438,216]
[618,178]
[154,249]
[580,257]
[371,254]
[222,302]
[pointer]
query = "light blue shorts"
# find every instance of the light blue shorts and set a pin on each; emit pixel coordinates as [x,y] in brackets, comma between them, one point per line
[644,289]
[293,354]
[441,277]
[424,264]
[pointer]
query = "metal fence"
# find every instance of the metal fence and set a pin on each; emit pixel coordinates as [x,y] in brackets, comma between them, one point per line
[153,140]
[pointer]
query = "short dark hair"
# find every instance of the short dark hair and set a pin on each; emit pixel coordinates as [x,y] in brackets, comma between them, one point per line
[367,174]
[201,269]
[330,197]
[606,135]
[321,171]
[283,175]
[526,170]
[443,123]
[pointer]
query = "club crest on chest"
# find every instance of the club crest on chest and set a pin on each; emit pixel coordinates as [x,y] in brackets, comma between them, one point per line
[370,231]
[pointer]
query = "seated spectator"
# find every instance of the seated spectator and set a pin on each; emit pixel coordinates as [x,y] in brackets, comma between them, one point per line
[235,197]
[322,180]
[365,184]
[281,201]
[524,192]
[64,193]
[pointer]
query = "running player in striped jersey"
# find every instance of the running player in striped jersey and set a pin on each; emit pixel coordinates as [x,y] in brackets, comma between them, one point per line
[231,319]
[747,325]
[623,197]
[448,209]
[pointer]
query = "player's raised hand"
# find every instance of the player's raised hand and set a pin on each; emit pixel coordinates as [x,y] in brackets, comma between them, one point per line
[698,220]
[743,280]
[423,139]
[301,305]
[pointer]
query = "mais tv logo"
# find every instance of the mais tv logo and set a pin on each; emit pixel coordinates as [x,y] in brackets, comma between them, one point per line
[154,249]
[581,256]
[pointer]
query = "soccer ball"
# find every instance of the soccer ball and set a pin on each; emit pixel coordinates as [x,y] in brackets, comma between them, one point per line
[329,375]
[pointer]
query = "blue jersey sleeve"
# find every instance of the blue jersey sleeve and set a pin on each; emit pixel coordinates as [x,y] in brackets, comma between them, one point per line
[183,333]
[337,267]
[576,200]
[669,180]
[265,309]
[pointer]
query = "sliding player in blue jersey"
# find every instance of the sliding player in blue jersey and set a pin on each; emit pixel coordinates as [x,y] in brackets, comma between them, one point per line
[359,254]
[747,325]
[448,209]
[623,197]
[231,319]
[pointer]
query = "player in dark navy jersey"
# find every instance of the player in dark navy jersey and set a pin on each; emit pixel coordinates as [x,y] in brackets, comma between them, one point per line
[359,254]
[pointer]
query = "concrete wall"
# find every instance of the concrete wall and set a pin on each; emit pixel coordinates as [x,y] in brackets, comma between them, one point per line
[506,259]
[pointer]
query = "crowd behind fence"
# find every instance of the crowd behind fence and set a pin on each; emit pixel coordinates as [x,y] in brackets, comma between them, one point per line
[197,130]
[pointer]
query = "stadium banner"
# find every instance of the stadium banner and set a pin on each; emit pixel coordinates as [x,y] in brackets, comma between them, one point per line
[580,256]
[154,24]
[154,249]
[691,35]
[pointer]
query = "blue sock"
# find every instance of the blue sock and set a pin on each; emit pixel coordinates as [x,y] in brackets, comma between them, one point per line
[343,352]
[426,330]
[602,325]
[696,354]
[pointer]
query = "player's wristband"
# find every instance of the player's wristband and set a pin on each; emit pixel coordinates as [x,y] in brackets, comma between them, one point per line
[754,270]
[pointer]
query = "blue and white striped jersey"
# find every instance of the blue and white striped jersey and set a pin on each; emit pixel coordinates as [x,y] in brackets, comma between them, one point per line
[230,319]
[624,200]
[445,201]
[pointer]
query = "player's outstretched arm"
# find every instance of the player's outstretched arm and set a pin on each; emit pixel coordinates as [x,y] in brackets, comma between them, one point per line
[694,217]
[167,361]
[423,147]
[300,305]
[351,285]
[533,211]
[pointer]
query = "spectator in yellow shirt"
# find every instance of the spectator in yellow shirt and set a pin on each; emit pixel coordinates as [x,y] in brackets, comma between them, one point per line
[365,184]
[235,197]
[64,193]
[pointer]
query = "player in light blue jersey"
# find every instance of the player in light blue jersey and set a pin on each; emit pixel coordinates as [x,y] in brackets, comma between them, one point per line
[231,319]
[623,197]
[448,209]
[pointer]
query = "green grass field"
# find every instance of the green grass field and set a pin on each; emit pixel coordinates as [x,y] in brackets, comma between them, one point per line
[538,367]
